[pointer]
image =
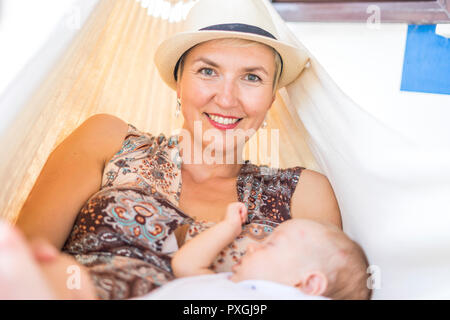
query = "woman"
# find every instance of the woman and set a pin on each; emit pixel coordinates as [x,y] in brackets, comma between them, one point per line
[116,199]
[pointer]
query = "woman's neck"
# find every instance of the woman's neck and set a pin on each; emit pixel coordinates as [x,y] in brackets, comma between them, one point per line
[202,165]
[199,173]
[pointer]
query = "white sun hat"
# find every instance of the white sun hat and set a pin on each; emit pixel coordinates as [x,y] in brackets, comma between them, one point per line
[215,19]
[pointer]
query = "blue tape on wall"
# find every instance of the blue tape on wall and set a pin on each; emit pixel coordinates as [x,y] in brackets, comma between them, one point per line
[426,66]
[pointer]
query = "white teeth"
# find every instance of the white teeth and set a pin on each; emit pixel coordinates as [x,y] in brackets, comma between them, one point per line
[223,120]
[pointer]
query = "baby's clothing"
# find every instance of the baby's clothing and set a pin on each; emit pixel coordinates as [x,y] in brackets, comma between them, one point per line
[219,287]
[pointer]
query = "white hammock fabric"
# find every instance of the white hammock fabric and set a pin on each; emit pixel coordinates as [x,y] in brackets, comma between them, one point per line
[393,192]
[173,12]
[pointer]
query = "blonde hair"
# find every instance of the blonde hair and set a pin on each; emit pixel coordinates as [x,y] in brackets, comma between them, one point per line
[240,43]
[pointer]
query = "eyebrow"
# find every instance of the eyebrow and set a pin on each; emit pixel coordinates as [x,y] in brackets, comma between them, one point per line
[207,61]
[212,63]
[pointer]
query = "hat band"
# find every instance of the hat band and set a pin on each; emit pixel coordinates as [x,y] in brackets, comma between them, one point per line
[240,27]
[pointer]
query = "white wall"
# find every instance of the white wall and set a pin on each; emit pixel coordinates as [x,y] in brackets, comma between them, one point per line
[367,65]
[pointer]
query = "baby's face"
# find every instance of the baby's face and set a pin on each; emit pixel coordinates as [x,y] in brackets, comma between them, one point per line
[283,255]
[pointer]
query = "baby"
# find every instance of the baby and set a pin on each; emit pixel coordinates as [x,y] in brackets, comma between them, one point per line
[301,259]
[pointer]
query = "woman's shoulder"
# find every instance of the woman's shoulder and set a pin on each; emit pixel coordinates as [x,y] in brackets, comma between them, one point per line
[314,198]
[105,124]
[115,137]
[104,133]
[312,180]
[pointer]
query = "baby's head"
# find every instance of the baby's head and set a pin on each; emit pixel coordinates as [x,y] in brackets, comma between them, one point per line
[316,258]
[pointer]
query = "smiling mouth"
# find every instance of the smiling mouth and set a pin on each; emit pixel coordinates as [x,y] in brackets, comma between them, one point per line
[223,120]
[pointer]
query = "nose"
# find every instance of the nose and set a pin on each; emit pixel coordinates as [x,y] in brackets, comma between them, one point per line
[227,94]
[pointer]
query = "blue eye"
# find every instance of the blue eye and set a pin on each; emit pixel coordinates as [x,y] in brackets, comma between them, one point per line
[208,71]
[253,77]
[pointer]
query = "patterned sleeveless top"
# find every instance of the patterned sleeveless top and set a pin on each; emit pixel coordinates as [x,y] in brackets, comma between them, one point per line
[124,233]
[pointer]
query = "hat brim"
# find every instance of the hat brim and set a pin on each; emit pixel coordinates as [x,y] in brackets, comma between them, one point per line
[171,49]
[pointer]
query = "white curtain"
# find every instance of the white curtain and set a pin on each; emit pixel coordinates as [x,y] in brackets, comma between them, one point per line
[392,191]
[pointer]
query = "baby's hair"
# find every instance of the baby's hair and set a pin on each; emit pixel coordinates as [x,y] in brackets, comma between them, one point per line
[341,260]
[349,279]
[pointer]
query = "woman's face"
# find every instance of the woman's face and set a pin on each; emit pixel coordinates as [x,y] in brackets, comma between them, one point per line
[233,83]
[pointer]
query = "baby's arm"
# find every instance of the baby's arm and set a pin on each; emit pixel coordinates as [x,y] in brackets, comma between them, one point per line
[196,256]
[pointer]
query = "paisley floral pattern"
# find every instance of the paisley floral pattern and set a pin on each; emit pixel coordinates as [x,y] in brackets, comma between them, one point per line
[267,193]
[124,234]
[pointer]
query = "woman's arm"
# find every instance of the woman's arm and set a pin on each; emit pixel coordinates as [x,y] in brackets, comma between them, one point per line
[72,173]
[197,255]
[314,199]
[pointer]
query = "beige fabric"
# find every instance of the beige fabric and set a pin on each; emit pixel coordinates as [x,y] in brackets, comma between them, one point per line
[109,69]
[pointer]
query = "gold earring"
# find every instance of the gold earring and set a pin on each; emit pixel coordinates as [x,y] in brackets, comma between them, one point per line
[178,110]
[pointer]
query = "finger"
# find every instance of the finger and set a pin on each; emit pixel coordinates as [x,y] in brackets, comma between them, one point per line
[243,212]
[242,208]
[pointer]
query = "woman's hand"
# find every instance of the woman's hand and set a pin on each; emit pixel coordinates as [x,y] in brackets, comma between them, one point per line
[236,216]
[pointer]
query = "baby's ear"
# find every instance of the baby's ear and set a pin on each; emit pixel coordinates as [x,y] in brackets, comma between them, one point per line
[313,283]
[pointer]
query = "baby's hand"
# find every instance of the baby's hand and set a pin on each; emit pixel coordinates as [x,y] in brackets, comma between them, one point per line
[236,215]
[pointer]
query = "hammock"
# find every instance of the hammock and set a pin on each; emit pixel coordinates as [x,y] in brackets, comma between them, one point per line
[392,190]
